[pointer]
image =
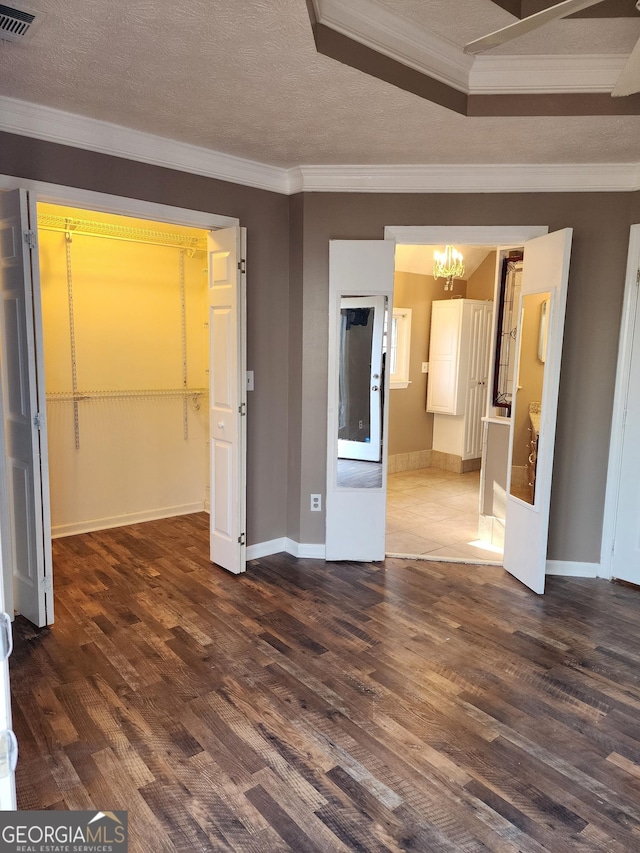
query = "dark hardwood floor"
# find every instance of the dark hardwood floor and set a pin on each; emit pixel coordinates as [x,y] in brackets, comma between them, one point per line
[318,707]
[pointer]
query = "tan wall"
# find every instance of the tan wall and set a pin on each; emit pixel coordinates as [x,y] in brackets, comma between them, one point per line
[410,426]
[481,284]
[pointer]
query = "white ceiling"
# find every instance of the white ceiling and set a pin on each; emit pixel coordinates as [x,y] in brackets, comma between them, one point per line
[419,259]
[244,78]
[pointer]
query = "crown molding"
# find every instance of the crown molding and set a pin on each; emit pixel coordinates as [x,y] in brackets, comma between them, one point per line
[367,22]
[51,125]
[545,74]
[388,33]
[472,178]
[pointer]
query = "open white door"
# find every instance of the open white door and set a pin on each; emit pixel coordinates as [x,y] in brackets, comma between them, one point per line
[227,397]
[356,490]
[8,745]
[360,414]
[540,332]
[23,396]
[625,459]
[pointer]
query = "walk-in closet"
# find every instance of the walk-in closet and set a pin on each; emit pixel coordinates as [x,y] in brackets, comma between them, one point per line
[126,347]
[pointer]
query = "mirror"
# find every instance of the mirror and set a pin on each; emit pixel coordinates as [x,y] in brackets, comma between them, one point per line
[506,332]
[361,392]
[534,321]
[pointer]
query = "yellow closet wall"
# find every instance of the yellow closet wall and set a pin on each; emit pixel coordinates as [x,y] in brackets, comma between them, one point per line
[133,462]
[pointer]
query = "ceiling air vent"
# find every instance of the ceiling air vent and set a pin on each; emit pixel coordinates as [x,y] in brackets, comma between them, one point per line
[18,24]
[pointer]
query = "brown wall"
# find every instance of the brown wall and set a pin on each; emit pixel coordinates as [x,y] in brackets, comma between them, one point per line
[266,217]
[289,351]
[481,284]
[601,234]
[410,425]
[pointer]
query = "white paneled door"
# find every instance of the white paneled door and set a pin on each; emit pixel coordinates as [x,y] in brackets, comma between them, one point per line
[23,402]
[625,560]
[227,397]
[544,283]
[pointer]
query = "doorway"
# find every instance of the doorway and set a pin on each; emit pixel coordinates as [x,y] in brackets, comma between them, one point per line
[126,352]
[27,525]
[435,456]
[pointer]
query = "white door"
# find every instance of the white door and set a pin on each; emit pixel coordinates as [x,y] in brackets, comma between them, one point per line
[360,414]
[625,560]
[539,346]
[476,391]
[227,397]
[23,393]
[356,497]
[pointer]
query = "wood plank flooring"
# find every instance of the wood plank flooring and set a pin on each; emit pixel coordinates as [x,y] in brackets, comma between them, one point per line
[307,706]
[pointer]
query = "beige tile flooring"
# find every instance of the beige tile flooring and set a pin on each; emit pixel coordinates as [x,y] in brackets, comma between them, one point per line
[435,512]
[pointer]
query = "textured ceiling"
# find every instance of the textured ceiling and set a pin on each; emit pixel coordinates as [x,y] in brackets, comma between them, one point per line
[244,78]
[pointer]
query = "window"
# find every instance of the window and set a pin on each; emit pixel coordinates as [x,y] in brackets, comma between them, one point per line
[399,348]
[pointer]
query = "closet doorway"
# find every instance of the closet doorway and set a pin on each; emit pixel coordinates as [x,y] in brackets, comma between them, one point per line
[126,359]
[120,344]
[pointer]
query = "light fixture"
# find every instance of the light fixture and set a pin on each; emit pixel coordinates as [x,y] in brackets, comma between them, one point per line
[448,264]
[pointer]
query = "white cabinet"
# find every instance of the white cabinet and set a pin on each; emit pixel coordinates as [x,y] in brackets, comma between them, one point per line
[458,374]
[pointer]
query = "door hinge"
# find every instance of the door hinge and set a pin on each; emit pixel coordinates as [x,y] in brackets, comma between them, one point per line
[47,583]
[30,239]
[38,421]
[241,539]
[242,409]
[638,278]
[242,265]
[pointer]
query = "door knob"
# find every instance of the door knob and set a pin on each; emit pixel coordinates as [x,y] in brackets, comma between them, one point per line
[375,388]
[220,424]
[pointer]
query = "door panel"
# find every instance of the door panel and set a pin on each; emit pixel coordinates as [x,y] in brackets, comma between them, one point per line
[356,498]
[625,561]
[26,467]
[545,275]
[227,398]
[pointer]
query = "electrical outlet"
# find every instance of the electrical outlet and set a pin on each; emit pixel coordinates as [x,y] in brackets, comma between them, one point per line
[425,366]
[360,425]
[316,503]
[249,380]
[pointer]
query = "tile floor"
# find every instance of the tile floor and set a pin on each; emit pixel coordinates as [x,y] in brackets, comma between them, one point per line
[435,512]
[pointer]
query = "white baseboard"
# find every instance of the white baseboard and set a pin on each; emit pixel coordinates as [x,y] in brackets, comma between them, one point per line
[72,528]
[302,550]
[265,549]
[571,569]
[290,546]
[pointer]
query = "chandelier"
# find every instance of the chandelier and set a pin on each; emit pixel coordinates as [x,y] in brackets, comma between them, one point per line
[449,265]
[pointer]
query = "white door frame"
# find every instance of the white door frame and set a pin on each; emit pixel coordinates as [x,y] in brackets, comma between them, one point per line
[614,472]
[119,205]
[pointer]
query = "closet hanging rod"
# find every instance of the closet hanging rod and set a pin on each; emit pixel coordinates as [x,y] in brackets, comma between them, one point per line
[88,228]
[81,396]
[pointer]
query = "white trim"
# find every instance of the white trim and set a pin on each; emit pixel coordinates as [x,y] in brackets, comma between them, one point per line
[466,235]
[265,549]
[289,546]
[619,401]
[58,531]
[308,551]
[393,35]
[105,203]
[545,74]
[572,569]
[53,125]
[407,42]
[471,178]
